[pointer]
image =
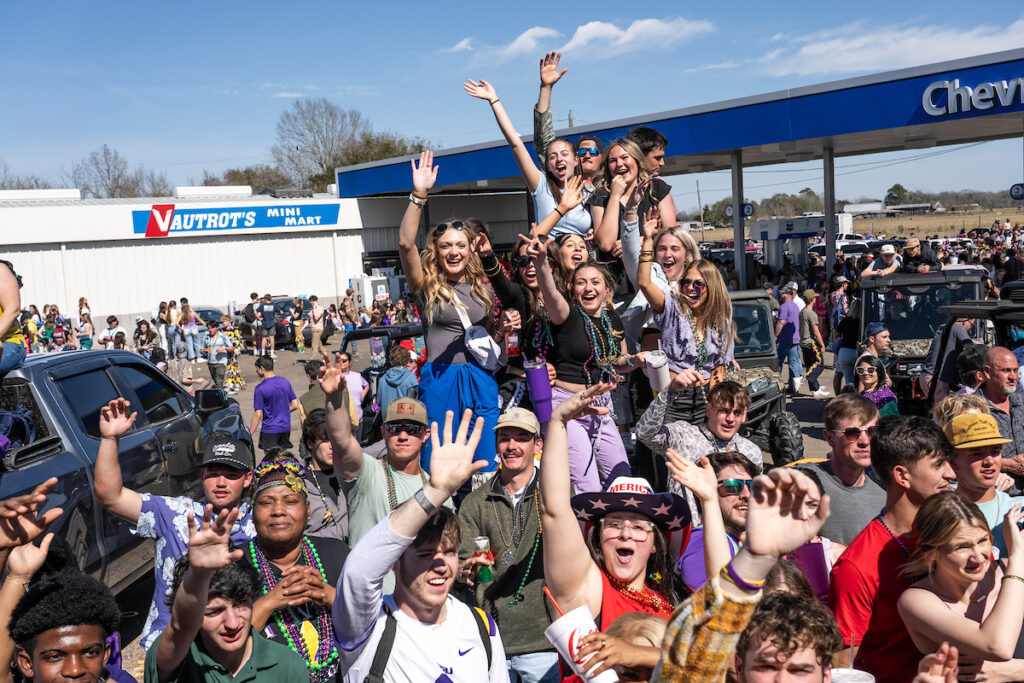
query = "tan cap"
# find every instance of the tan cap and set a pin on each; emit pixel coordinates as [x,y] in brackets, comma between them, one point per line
[809,295]
[521,418]
[406,410]
[971,430]
[888,249]
[911,243]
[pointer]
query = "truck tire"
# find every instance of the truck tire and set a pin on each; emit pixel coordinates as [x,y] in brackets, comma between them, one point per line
[785,440]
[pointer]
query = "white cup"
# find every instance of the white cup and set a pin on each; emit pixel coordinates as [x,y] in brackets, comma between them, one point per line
[565,634]
[851,676]
[657,370]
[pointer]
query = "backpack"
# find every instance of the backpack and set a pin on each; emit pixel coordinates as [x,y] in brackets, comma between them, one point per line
[17,425]
[387,641]
[249,314]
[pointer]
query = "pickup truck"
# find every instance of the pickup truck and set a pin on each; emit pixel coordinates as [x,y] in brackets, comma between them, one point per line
[64,393]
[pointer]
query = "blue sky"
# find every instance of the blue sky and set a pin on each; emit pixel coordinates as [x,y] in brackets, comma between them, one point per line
[183,87]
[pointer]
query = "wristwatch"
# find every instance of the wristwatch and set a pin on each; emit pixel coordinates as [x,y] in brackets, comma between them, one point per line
[425,503]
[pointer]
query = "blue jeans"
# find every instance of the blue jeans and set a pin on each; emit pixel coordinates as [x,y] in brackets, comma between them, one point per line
[192,342]
[349,328]
[535,667]
[791,353]
[845,360]
[13,356]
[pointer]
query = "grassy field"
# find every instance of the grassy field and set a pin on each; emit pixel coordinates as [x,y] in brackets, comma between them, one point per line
[943,224]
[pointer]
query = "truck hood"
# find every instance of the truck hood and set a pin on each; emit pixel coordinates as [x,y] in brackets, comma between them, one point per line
[910,347]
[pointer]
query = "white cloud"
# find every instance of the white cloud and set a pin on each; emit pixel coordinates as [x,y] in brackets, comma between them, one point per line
[287,94]
[529,42]
[464,45]
[861,47]
[602,39]
[731,64]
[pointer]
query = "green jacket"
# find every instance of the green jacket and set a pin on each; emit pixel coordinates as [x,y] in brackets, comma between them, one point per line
[522,625]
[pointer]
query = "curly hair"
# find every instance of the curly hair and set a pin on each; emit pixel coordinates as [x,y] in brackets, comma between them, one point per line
[64,598]
[951,406]
[436,289]
[790,622]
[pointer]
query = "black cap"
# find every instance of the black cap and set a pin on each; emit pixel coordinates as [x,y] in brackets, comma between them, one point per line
[223,450]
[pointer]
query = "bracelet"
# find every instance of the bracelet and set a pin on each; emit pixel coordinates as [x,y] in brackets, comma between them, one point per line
[493,102]
[645,259]
[416,200]
[647,252]
[1013,576]
[425,503]
[559,212]
[729,574]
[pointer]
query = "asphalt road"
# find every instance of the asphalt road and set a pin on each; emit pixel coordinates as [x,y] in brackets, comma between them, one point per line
[135,601]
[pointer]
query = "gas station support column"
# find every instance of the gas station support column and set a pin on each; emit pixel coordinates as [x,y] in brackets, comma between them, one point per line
[739,244]
[829,159]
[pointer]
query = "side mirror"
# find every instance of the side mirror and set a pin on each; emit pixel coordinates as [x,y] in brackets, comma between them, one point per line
[211,400]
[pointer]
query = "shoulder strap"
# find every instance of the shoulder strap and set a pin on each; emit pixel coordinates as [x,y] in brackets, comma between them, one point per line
[383,653]
[483,624]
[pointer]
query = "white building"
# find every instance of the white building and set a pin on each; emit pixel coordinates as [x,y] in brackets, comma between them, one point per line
[213,245]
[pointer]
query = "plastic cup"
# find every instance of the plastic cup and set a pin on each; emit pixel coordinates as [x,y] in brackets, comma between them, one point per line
[657,370]
[565,634]
[540,388]
[851,676]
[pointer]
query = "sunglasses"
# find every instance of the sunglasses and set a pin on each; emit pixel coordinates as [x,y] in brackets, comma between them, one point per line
[521,261]
[698,285]
[410,428]
[866,370]
[855,432]
[588,151]
[441,228]
[734,487]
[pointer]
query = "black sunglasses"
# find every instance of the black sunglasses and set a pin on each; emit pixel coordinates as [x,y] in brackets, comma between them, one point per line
[441,228]
[521,261]
[410,428]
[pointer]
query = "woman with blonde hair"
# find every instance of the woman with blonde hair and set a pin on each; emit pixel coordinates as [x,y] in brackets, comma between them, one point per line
[951,406]
[85,331]
[456,306]
[962,596]
[188,324]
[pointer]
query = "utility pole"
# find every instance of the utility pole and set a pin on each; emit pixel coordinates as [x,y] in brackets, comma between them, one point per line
[701,205]
[571,120]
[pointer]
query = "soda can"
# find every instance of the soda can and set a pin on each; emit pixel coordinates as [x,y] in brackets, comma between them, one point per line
[483,547]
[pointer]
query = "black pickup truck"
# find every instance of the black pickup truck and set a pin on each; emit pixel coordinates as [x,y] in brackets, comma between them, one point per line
[64,393]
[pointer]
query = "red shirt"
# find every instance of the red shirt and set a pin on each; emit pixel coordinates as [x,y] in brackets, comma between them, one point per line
[865,604]
[614,604]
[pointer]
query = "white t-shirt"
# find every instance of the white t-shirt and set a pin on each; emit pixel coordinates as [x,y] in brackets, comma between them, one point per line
[449,651]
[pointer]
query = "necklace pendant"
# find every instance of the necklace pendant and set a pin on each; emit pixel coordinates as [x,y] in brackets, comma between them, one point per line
[507,557]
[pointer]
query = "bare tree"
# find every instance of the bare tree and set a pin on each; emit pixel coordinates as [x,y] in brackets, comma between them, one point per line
[104,173]
[259,177]
[312,137]
[151,183]
[13,181]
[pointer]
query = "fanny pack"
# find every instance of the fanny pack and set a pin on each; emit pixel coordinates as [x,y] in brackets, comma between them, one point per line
[478,341]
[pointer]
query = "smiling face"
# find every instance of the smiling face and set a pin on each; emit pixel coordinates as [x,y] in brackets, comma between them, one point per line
[734,508]
[280,516]
[224,485]
[560,160]
[453,251]
[966,557]
[66,653]
[694,288]
[225,627]
[868,376]
[527,273]
[573,251]
[627,549]
[589,158]
[517,448]
[590,290]
[424,574]
[926,477]
[978,468]
[621,163]
[673,257]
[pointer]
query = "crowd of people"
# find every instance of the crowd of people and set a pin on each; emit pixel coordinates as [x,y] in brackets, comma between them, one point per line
[504,497]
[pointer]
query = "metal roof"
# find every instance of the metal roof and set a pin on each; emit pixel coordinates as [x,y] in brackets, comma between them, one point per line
[863,115]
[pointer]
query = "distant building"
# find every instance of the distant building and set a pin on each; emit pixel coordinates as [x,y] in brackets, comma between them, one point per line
[865,209]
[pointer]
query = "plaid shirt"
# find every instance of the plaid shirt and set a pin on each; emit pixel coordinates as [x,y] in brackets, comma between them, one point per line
[701,637]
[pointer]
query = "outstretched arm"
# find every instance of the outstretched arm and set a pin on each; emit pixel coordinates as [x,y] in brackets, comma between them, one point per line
[348,454]
[570,573]
[543,125]
[652,292]
[424,176]
[485,91]
[554,303]
[116,418]
[572,197]
[701,481]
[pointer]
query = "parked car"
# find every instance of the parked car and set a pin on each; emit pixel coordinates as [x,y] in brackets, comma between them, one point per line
[284,330]
[208,313]
[60,397]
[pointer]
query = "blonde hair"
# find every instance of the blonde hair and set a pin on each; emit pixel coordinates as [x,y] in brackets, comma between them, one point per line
[630,148]
[951,406]
[435,283]
[689,244]
[716,313]
[940,518]
[637,628]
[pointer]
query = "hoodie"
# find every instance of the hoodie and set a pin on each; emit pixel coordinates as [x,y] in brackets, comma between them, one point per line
[398,382]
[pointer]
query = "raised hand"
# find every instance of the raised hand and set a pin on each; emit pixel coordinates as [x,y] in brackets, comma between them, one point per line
[116,418]
[536,249]
[939,666]
[652,223]
[209,547]
[549,73]
[582,404]
[572,195]
[698,477]
[19,523]
[637,194]
[776,522]
[1012,533]
[687,377]
[25,560]
[617,187]
[332,381]
[451,461]
[483,246]
[511,320]
[424,175]
[481,90]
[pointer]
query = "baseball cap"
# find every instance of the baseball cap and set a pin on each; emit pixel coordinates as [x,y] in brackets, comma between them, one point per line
[809,294]
[223,450]
[406,410]
[840,279]
[874,328]
[971,430]
[888,249]
[911,243]
[786,289]
[521,418]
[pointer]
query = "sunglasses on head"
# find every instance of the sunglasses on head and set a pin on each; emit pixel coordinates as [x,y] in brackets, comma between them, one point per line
[521,261]
[410,428]
[734,487]
[441,228]
[698,285]
[585,151]
[855,432]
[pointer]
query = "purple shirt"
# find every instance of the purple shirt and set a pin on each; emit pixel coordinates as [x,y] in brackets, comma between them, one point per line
[356,386]
[680,345]
[274,396]
[789,313]
[691,561]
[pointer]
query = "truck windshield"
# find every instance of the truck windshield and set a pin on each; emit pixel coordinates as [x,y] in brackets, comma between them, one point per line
[753,322]
[912,311]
